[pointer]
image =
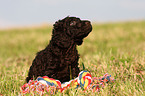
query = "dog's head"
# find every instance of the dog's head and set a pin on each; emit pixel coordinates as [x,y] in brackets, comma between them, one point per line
[73,28]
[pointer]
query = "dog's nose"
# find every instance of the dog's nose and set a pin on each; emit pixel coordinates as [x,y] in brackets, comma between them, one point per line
[87,22]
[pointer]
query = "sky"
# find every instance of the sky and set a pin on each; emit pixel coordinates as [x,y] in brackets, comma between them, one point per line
[36,12]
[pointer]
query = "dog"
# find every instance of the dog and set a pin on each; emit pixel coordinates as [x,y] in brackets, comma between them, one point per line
[59,60]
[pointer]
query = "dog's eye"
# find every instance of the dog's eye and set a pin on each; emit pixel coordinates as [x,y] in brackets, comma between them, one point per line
[72,23]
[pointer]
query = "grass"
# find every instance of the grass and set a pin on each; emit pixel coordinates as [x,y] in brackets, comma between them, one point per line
[114,48]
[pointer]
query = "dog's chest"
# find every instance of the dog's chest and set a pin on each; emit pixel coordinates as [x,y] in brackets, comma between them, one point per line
[70,58]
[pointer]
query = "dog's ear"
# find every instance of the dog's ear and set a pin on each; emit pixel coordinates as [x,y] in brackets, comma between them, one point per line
[62,41]
[58,26]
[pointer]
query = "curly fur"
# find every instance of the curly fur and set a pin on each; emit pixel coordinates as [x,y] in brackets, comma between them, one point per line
[61,54]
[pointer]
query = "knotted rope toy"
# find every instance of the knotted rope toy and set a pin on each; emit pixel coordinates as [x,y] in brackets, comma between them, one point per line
[84,80]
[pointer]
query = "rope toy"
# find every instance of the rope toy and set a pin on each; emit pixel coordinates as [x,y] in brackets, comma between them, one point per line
[84,80]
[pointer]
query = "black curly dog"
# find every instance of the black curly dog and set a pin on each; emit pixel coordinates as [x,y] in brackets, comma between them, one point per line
[60,58]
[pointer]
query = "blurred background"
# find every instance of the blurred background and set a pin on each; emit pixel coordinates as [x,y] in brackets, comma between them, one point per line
[18,13]
[116,44]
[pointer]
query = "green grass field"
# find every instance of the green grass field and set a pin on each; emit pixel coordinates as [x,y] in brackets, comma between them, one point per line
[114,48]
